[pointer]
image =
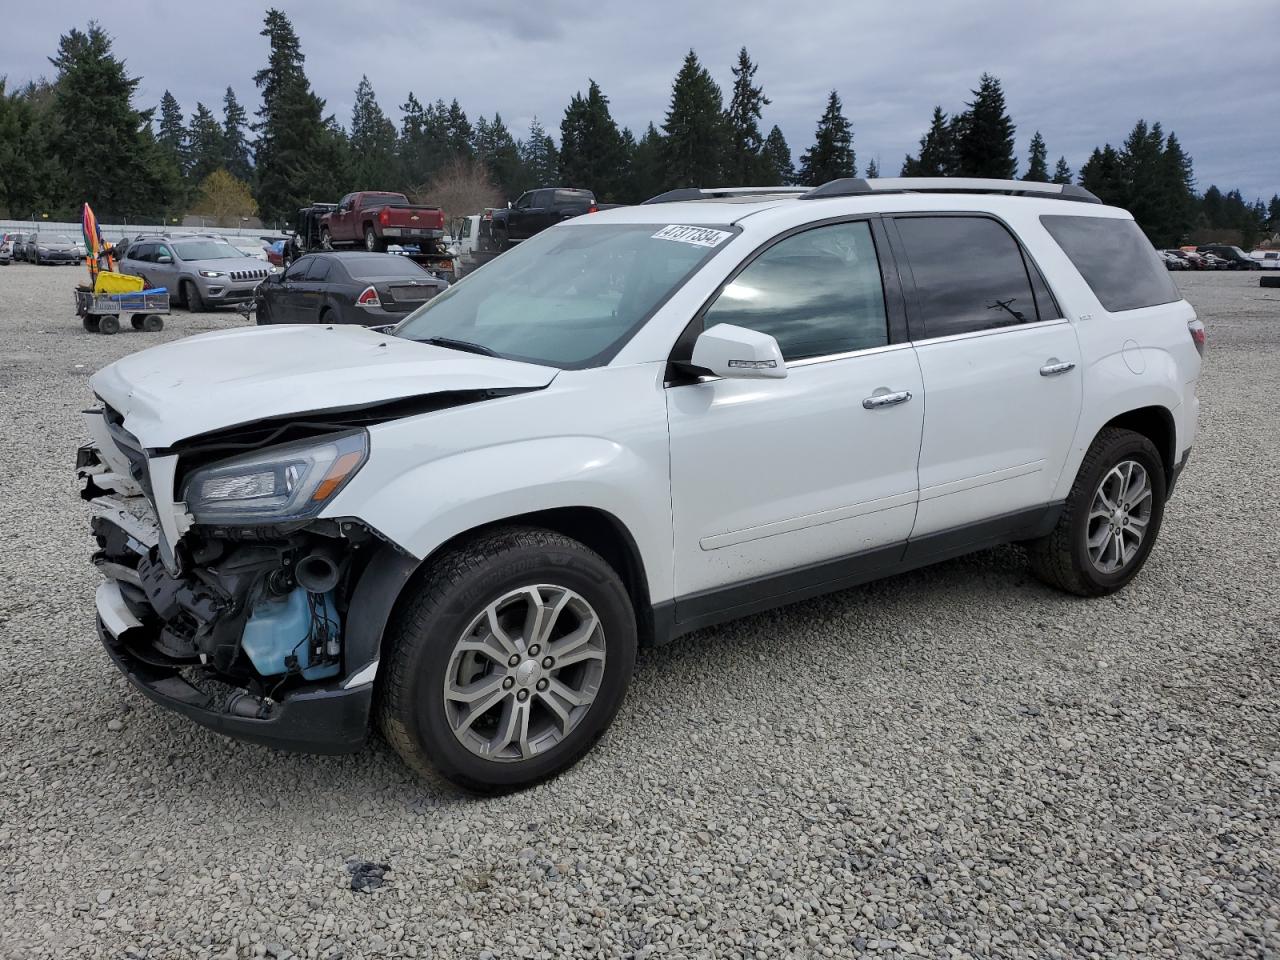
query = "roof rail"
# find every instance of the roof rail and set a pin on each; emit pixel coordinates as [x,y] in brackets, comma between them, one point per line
[714,193]
[856,186]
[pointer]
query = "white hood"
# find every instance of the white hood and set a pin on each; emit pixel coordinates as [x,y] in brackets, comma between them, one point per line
[216,380]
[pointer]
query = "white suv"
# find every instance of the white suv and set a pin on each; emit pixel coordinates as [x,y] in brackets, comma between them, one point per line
[631,426]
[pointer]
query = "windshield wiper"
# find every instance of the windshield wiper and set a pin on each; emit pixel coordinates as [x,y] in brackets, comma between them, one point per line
[464,345]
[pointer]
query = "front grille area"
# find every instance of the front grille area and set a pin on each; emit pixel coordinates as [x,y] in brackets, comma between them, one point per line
[240,276]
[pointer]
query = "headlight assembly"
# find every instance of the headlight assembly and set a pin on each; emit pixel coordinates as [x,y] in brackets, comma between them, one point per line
[289,482]
[212,273]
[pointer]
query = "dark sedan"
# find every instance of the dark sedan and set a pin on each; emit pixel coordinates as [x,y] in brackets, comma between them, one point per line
[346,287]
[58,248]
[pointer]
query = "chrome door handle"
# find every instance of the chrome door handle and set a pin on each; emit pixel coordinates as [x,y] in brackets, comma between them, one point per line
[1055,367]
[886,399]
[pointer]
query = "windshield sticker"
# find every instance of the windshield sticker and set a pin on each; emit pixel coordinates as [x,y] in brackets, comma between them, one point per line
[698,236]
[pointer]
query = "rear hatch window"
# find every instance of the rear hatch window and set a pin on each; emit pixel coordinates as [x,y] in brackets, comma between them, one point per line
[1116,259]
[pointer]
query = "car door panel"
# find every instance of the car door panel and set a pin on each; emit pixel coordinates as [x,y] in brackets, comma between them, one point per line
[1004,389]
[774,475]
[770,475]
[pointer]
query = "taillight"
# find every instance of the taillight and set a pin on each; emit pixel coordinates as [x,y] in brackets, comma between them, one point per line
[384,216]
[1197,335]
[368,298]
[593,209]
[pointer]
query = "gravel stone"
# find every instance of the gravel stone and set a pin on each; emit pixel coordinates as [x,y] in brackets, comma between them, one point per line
[957,762]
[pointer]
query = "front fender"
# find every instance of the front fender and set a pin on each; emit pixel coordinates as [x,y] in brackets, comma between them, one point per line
[431,503]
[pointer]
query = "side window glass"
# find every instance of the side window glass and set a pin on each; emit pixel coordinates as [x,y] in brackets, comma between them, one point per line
[299,269]
[817,293]
[525,201]
[162,251]
[319,269]
[142,252]
[969,274]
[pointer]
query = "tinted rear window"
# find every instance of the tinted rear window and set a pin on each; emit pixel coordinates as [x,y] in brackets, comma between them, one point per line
[1116,260]
[575,196]
[381,265]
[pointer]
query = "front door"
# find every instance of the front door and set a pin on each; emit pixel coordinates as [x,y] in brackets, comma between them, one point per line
[287,305]
[1000,365]
[780,484]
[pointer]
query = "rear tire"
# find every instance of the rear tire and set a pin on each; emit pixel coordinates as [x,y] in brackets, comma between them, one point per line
[326,316]
[153,323]
[543,713]
[136,321]
[1082,555]
[109,325]
[90,322]
[372,242]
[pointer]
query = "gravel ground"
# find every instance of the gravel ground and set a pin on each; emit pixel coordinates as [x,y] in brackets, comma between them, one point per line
[956,762]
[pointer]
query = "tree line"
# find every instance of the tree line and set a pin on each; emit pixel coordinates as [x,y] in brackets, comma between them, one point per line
[80,137]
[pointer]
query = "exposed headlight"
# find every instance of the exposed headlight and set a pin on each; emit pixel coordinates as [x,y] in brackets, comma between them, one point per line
[289,482]
[212,273]
[273,269]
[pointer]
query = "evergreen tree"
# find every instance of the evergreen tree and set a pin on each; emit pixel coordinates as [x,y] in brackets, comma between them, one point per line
[696,139]
[300,154]
[1178,190]
[497,149]
[1038,165]
[104,150]
[937,156]
[746,164]
[1103,176]
[539,159]
[831,156]
[1273,213]
[206,146]
[779,169]
[1141,161]
[24,175]
[173,136]
[1062,172]
[373,142]
[648,175]
[1211,209]
[984,145]
[873,170]
[235,146]
[458,132]
[421,149]
[592,154]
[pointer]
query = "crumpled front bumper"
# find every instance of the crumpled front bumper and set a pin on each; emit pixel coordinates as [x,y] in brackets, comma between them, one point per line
[330,719]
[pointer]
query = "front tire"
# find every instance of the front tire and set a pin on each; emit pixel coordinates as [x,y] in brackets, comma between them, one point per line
[192,298]
[509,661]
[1111,519]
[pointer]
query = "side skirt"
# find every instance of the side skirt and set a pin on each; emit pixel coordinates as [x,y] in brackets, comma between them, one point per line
[674,618]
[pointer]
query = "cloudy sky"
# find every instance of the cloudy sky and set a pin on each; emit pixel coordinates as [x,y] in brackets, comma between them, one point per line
[1081,72]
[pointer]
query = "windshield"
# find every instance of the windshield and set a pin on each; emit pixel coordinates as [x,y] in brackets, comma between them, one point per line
[571,296]
[63,239]
[206,250]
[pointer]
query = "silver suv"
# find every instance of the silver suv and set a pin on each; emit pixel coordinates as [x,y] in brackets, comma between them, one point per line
[199,272]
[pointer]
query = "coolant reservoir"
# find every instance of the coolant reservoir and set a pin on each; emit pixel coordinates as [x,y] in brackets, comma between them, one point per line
[278,629]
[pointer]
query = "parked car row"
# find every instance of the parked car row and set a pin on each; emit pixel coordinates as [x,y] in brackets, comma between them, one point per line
[41,248]
[1208,256]
[200,271]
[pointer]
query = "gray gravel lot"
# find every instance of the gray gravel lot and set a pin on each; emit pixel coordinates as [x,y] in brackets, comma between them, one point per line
[957,762]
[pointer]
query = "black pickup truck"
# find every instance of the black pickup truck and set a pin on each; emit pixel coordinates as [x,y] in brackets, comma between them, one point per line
[535,211]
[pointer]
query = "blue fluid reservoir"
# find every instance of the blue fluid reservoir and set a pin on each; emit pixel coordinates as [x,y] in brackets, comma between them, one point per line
[278,629]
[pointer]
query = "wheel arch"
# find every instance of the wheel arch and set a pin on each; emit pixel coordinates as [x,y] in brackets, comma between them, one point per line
[1157,424]
[390,576]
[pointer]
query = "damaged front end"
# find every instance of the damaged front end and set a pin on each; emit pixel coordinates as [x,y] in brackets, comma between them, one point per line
[226,596]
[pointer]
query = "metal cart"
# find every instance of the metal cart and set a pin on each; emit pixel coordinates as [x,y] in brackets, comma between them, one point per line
[102,312]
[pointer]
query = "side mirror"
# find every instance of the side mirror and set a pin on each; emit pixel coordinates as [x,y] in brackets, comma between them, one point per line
[164,258]
[737,353]
[508,204]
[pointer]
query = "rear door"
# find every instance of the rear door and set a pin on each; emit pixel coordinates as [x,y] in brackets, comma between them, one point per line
[1001,368]
[778,485]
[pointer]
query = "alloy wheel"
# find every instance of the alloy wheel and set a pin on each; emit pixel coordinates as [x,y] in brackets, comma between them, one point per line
[524,673]
[1119,516]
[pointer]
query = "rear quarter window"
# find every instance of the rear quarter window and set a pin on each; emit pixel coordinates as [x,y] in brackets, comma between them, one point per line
[1116,260]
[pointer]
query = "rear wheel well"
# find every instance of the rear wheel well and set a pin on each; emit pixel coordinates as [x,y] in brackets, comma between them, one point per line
[601,532]
[1156,424]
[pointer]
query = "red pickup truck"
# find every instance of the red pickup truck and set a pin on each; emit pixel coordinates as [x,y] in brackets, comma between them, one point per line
[375,219]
